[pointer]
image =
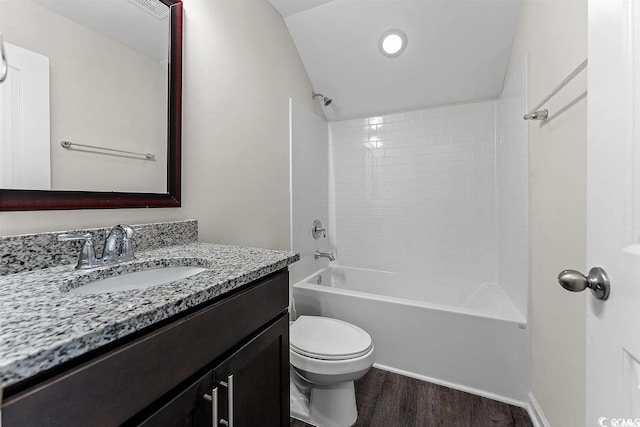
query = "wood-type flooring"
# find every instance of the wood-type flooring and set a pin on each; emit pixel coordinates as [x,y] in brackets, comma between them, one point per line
[386,399]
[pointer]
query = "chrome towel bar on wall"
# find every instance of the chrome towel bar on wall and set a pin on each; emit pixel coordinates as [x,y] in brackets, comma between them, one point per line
[535,113]
[112,151]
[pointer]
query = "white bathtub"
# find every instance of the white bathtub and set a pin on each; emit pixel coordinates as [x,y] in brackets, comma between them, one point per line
[462,335]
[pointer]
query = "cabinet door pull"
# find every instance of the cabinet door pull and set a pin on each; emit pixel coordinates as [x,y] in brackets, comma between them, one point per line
[213,398]
[230,400]
[229,386]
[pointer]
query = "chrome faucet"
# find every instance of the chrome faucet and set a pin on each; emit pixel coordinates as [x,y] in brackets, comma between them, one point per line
[110,255]
[329,256]
[110,252]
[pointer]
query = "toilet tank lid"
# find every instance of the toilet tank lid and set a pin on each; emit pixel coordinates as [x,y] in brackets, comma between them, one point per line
[326,338]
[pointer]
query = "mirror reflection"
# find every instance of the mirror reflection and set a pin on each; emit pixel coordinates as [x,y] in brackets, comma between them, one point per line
[93,74]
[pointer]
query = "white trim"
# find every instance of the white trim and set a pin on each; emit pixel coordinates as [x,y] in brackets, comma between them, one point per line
[290,177]
[535,412]
[455,386]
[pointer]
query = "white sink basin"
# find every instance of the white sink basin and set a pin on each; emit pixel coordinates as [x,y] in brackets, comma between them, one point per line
[137,280]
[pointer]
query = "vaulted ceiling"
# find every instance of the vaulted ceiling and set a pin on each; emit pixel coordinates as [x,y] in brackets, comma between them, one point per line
[457,51]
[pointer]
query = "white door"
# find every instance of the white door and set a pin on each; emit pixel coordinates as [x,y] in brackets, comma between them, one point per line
[25,146]
[613,212]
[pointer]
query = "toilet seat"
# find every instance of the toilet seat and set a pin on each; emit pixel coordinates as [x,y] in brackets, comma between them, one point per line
[328,339]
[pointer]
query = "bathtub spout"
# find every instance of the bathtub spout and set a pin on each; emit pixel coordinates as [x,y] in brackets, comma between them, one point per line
[329,256]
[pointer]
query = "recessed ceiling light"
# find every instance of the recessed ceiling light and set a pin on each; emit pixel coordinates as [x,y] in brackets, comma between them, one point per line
[392,43]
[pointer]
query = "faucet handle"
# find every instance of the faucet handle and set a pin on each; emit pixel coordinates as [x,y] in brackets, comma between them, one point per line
[68,237]
[87,255]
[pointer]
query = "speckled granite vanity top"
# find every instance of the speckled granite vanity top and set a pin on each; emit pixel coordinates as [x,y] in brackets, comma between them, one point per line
[43,325]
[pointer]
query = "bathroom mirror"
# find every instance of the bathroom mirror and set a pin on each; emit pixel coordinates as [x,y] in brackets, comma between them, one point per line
[103,127]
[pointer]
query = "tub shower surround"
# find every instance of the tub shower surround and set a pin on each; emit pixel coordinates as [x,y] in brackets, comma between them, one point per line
[512,189]
[429,218]
[415,191]
[309,188]
[463,335]
[29,252]
[43,325]
[443,190]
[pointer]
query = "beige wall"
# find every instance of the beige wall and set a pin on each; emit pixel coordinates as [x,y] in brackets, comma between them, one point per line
[240,68]
[554,34]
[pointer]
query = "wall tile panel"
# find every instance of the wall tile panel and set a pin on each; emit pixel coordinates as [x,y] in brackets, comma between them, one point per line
[419,195]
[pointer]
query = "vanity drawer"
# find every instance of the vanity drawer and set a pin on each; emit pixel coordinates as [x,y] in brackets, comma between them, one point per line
[114,386]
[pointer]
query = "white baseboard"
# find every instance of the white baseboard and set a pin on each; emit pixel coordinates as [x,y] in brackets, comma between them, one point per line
[454,386]
[535,412]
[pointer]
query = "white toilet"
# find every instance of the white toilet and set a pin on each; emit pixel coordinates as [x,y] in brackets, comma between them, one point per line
[327,355]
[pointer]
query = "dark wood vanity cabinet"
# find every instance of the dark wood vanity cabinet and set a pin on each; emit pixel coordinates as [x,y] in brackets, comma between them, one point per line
[260,376]
[249,384]
[237,346]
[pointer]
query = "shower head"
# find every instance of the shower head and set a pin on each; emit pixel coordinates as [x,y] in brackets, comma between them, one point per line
[325,100]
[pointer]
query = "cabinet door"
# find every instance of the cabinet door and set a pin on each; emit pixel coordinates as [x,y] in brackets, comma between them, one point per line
[191,408]
[253,383]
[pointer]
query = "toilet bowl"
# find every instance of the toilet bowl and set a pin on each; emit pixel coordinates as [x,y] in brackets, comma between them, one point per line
[327,356]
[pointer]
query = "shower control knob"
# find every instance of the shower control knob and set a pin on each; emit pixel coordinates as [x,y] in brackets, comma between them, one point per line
[597,281]
[318,230]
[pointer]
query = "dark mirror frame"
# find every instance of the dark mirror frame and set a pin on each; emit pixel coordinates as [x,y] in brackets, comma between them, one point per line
[32,200]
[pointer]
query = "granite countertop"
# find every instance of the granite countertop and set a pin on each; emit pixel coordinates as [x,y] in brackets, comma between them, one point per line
[43,325]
